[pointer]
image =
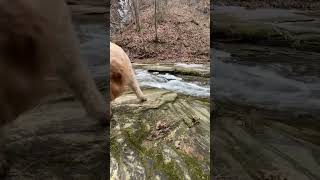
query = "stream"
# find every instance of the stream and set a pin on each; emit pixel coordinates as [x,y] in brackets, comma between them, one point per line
[93,35]
[172,83]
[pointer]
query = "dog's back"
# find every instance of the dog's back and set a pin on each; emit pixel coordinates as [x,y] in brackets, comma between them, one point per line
[119,70]
[121,73]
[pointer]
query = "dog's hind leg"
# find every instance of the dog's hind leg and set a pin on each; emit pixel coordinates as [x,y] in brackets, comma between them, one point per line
[134,85]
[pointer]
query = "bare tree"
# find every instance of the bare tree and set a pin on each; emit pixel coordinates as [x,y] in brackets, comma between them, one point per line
[136,10]
[155,19]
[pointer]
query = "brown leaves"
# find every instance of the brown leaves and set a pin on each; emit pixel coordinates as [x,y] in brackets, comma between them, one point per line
[183,37]
[162,129]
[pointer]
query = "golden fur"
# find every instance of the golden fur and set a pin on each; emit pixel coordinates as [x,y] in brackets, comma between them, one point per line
[122,74]
[37,37]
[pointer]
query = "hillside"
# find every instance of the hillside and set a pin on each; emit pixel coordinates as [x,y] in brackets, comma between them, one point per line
[183,34]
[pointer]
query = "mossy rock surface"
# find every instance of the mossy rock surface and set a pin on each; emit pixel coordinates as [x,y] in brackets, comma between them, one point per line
[166,137]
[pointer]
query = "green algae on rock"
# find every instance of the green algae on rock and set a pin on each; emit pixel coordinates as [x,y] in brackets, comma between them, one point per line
[166,137]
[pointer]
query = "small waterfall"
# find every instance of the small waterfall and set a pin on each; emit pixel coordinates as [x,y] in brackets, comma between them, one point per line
[121,15]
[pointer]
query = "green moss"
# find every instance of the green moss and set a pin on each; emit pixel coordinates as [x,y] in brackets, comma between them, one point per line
[152,156]
[194,167]
[171,169]
[134,140]
[115,148]
[135,135]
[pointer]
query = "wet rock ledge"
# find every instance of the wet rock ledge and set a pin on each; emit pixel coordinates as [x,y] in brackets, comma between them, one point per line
[166,137]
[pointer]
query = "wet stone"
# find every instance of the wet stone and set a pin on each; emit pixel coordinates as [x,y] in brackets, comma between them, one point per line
[157,125]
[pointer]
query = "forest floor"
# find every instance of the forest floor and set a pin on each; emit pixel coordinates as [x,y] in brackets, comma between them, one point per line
[183,35]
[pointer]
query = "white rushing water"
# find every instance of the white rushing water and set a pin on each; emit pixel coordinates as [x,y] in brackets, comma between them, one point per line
[124,10]
[171,83]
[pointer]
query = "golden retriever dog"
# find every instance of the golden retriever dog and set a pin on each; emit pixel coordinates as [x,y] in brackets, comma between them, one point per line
[122,74]
[37,37]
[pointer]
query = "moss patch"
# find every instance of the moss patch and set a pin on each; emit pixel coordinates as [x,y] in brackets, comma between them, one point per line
[195,168]
[171,169]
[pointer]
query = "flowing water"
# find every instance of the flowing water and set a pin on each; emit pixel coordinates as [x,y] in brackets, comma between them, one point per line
[94,35]
[172,83]
[261,85]
[121,13]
